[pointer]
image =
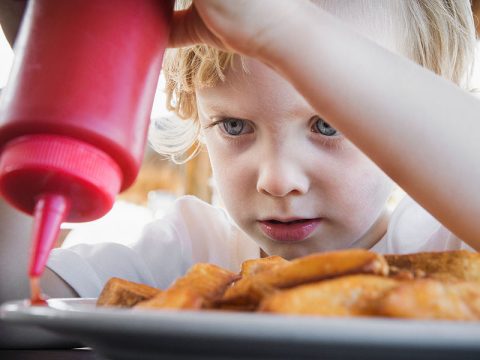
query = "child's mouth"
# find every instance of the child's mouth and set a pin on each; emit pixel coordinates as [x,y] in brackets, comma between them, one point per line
[289,231]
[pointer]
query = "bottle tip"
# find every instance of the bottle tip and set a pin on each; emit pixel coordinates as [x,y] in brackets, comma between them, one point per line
[50,211]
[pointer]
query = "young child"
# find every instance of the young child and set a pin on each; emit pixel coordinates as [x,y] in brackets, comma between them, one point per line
[308,120]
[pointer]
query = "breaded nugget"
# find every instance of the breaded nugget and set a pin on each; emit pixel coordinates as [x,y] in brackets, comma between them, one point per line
[201,285]
[179,298]
[249,291]
[432,299]
[447,266]
[123,293]
[354,295]
[255,266]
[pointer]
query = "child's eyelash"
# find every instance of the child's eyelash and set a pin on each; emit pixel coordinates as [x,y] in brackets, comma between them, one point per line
[219,122]
[246,124]
[332,143]
[213,124]
[233,140]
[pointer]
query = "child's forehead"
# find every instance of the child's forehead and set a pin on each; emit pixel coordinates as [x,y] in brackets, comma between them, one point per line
[248,76]
[252,87]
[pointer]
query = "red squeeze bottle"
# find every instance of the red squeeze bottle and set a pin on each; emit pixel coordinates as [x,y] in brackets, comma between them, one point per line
[75,112]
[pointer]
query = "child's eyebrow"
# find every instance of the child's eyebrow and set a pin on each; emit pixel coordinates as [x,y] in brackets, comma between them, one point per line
[210,113]
[213,107]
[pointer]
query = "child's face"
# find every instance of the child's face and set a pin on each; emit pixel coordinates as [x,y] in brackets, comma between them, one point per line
[274,162]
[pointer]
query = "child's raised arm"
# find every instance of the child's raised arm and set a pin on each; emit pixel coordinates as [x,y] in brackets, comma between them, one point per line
[422,130]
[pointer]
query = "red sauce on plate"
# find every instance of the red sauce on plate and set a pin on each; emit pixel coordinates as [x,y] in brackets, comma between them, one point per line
[36,297]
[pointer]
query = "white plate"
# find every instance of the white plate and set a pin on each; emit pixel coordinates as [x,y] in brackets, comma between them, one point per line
[154,334]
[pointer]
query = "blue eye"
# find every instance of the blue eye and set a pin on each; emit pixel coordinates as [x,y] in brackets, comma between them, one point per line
[234,127]
[322,127]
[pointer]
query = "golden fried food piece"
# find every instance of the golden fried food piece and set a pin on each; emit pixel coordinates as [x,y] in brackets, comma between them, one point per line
[255,266]
[354,295]
[123,293]
[201,285]
[248,292]
[446,266]
[180,299]
[432,299]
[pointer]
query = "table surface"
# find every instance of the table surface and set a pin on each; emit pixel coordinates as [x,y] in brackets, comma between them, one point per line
[73,354]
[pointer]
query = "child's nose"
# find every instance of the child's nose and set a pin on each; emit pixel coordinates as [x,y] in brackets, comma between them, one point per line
[282,178]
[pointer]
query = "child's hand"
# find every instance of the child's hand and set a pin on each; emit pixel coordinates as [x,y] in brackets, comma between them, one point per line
[242,26]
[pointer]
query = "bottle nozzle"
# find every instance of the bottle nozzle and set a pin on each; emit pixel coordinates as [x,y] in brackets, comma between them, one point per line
[56,178]
[49,213]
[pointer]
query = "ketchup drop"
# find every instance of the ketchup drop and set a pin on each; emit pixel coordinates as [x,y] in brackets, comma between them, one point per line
[36,298]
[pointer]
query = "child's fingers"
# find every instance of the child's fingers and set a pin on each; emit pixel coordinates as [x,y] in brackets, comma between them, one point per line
[188,28]
[181,32]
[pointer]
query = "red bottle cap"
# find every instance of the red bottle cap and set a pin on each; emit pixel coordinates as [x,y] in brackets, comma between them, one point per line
[57,178]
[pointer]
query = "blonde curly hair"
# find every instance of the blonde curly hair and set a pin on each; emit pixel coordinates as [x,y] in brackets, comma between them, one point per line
[437,34]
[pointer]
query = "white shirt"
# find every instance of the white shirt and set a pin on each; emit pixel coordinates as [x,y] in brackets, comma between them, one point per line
[194,231]
[412,229]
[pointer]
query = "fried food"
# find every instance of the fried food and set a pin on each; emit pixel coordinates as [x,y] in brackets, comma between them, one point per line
[354,295]
[257,289]
[432,299]
[123,293]
[341,283]
[446,266]
[199,288]
[249,291]
[179,298]
[255,266]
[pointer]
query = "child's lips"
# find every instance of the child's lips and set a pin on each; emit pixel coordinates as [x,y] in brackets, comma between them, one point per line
[289,231]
